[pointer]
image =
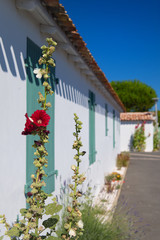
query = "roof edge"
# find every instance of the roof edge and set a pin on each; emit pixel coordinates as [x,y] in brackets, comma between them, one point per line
[62,19]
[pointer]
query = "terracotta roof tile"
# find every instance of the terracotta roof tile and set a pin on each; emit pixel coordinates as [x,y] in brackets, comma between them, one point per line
[61,17]
[129,116]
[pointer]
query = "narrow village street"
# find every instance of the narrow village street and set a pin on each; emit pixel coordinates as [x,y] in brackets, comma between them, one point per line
[141,192]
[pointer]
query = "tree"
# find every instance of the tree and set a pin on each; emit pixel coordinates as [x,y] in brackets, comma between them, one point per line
[135,95]
[158,117]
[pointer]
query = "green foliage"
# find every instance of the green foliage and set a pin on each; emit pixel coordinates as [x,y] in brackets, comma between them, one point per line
[139,139]
[122,225]
[135,95]
[159,118]
[122,159]
[156,140]
[52,208]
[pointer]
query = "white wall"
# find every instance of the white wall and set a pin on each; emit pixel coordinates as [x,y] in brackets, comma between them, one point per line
[71,97]
[127,132]
[73,88]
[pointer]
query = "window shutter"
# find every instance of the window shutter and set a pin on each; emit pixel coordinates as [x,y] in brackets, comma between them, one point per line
[114,129]
[106,120]
[34,85]
[92,151]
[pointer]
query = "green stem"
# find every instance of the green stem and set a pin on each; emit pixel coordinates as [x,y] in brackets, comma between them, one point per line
[47,71]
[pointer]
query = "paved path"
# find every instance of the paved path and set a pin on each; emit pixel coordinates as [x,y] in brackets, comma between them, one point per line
[141,190]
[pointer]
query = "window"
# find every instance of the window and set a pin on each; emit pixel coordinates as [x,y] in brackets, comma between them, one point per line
[34,85]
[106,120]
[114,129]
[92,152]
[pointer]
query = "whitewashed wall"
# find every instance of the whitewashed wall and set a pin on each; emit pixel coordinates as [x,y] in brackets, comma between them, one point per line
[127,132]
[75,91]
[71,97]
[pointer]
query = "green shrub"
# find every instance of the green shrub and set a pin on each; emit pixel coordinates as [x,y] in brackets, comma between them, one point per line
[156,140]
[121,227]
[122,159]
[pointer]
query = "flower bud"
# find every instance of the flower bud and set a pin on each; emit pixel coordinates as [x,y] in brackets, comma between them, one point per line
[83,153]
[43,47]
[44,55]
[51,49]
[69,209]
[66,226]
[45,84]
[45,75]
[48,104]
[72,232]
[40,61]
[75,144]
[73,167]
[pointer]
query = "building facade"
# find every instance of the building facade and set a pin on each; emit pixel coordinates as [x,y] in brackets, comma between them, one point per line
[79,87]
[129,123]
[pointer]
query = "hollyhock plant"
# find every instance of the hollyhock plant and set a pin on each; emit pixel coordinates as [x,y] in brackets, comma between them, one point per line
[73,222]
[139,138]
[31,225]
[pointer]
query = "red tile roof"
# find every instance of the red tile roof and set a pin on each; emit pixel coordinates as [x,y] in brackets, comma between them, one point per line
[130,116]
[65,23]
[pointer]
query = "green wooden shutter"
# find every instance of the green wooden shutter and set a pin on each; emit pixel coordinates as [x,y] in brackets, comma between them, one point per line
[106,120]
[92,151]
[114,129]
[34,85]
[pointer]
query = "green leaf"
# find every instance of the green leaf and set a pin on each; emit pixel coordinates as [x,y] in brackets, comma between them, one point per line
[13,232]
[23,211]
[52,208]
[52,238]
[1,238]
[28,215]
[50,222]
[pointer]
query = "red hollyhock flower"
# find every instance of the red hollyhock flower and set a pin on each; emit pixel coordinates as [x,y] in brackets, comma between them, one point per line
[40,118]
[136,126]
[29,126]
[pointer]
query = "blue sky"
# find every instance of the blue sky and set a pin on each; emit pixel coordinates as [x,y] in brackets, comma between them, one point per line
[122,35]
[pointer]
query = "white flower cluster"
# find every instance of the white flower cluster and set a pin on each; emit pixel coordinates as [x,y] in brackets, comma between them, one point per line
[38,73]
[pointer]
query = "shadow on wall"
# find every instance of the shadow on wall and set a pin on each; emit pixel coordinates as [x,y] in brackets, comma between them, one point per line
[79,95]
[130,145]
[11,59]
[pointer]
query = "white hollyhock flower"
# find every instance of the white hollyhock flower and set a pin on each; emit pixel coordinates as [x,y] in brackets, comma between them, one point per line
[72,232]
[80,224]
[38,73]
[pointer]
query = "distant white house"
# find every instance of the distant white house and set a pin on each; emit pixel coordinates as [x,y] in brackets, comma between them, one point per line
[129,121]
[79,87]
